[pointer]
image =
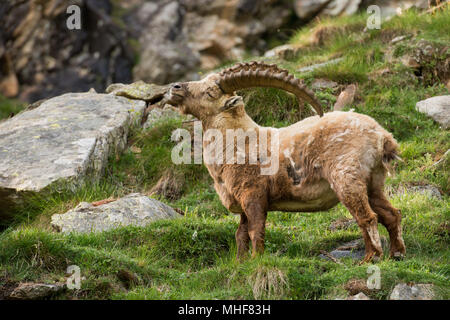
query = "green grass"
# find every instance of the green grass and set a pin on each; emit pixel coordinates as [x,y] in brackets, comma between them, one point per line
[9,107]
[194,257]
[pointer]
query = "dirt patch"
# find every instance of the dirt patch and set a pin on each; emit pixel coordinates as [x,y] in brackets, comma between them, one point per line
[170,186]
[324,34]
[342,224]
[444,229]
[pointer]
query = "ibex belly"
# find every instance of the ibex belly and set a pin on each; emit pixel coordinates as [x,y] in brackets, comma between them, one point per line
[314,197]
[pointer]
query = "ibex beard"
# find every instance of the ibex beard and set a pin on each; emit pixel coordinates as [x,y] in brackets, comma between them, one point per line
[323,160]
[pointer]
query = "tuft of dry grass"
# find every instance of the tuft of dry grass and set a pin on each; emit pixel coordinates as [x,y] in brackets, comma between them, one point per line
[269,283]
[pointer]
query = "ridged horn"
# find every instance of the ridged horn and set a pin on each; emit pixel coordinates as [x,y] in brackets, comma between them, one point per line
[258,74]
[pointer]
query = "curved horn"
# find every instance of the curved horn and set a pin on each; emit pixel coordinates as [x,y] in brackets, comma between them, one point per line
[258,74]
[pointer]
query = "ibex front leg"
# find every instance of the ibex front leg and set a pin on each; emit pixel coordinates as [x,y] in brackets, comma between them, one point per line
[256,212]
[242,238]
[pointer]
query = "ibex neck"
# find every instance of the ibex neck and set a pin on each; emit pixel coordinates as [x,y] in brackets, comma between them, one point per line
[231,119]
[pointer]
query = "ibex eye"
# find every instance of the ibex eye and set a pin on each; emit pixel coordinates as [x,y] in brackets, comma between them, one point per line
[209,94]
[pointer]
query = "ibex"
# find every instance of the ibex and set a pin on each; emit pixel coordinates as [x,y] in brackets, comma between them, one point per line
[323,159]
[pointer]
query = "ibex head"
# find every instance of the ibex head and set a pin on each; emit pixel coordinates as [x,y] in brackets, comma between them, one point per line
[215,93]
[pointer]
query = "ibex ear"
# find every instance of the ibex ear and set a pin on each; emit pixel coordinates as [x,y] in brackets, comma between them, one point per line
[231,103]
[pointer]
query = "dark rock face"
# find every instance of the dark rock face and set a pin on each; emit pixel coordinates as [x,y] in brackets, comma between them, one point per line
[177,37]
[165,54]
[168,40]
[38,51]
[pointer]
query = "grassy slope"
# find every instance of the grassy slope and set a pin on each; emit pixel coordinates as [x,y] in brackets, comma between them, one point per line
[193,257]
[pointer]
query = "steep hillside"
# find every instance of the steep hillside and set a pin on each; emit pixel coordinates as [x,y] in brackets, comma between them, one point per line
[194,257]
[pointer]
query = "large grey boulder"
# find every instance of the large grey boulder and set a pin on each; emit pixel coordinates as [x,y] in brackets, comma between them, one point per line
[133,209]
[437,108]
[67,138]
[418,291]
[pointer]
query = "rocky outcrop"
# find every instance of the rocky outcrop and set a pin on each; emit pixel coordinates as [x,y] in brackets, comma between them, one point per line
[40,57]
[133,209]
[437,108]
[66,139]
[429,60]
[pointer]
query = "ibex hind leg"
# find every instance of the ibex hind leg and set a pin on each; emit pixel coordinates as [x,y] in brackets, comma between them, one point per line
[353,194]
[389,216]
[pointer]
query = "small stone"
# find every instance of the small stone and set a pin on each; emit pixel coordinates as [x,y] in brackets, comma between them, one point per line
[34,291]
[403,291]
[398,39]
[437,108]
[323,83]
[133,209]
[359,296]
[429,190]
[354,249]
[410,62]
[286,52]
[319,65]
[345,98]
[444,161]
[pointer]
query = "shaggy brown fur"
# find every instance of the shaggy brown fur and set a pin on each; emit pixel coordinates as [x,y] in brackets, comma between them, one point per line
[339,157]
